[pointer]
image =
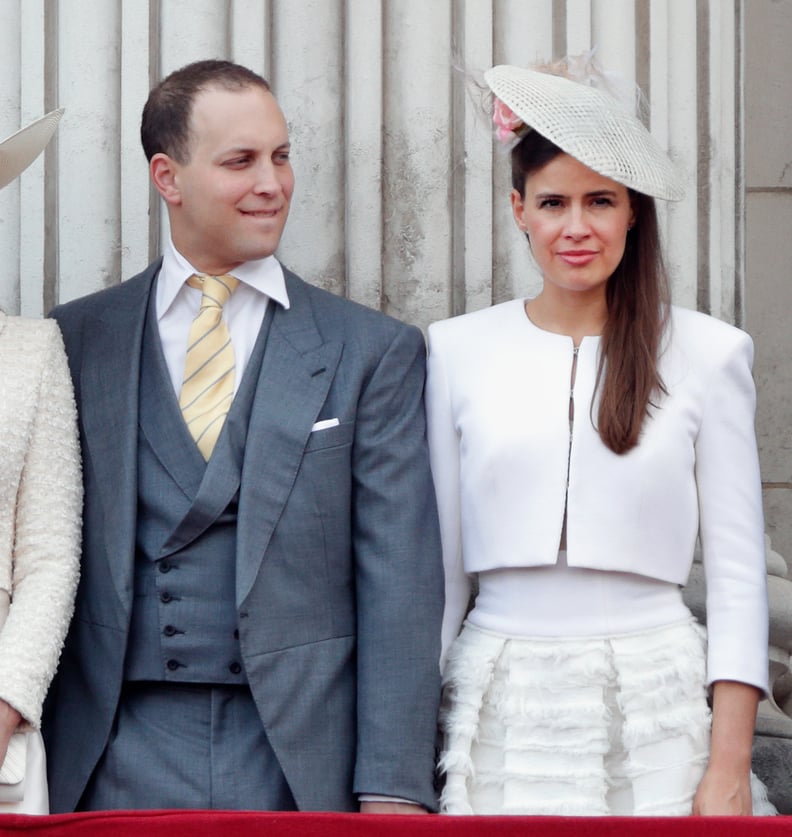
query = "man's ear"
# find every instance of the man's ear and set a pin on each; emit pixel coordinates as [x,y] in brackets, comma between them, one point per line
[163,170]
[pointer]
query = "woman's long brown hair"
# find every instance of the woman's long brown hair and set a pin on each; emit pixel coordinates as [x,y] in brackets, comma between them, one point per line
[638,299]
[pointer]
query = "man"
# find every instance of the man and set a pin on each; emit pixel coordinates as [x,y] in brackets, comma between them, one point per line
[258,615]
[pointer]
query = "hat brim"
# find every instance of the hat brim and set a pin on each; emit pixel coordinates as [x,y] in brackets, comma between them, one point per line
[21,149]
[590,126]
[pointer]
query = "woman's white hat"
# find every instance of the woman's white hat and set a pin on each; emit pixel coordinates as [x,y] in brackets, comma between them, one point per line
[21,149]
[589,125]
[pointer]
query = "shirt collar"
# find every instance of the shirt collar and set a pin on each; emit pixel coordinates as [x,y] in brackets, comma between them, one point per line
[262,275]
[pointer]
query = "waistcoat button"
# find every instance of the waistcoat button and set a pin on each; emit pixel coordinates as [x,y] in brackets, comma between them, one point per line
[173,665]
[169,630]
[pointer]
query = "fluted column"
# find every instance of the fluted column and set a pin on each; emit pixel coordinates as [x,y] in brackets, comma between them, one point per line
[775,714]
[401,198]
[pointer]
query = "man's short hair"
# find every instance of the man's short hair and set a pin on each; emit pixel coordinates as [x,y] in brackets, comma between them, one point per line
[165,126]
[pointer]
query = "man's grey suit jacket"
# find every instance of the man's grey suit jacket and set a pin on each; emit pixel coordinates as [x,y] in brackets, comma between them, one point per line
[339,578]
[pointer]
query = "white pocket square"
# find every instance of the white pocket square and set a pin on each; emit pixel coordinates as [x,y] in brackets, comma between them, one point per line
[324,424]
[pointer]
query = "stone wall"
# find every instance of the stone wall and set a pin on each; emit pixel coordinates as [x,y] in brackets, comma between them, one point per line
[768,290]
[768,284]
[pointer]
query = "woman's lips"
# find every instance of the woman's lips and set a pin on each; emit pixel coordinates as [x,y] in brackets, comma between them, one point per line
[578,258]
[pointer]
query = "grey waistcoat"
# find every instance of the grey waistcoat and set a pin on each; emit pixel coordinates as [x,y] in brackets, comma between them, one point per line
[184,620]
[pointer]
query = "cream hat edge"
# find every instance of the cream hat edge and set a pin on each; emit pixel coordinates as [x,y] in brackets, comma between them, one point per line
[590,126]
[21,149]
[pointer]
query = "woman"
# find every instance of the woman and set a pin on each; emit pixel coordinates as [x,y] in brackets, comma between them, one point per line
[40,505]
[581,441]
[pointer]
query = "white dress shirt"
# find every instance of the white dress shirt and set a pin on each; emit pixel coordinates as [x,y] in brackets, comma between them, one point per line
[177,304]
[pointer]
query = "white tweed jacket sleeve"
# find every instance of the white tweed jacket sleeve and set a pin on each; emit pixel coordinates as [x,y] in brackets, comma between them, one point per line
[40,508]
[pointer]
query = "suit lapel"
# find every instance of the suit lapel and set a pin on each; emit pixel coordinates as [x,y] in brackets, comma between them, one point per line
[110,376]
[296,374]
[160,417]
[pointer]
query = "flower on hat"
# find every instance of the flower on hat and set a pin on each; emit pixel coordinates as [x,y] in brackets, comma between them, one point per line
[506,121]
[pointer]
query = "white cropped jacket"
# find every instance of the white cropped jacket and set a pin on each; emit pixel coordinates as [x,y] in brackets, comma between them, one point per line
[497,397]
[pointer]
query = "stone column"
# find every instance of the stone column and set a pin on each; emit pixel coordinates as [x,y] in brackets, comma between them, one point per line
[773,741]
[772,752]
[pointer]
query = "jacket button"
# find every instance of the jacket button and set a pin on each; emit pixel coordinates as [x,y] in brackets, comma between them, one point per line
[166,597]
[235,668]
[172,665]
[169,630]
[165,566]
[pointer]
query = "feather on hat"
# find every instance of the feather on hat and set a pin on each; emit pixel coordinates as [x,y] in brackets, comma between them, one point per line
[589,125]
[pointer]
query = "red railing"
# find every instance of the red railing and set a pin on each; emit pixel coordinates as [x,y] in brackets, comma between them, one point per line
[243,824]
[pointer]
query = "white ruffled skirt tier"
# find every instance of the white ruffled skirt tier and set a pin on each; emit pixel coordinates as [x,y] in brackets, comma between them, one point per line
[577,726]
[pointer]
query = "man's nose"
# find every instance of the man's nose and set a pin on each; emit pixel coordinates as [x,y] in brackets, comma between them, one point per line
[266,180]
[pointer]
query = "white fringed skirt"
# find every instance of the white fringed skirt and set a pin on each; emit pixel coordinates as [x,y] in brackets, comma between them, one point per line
[575,726]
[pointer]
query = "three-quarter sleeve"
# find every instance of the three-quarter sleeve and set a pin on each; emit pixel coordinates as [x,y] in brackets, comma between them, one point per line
[731,527]
[444,458]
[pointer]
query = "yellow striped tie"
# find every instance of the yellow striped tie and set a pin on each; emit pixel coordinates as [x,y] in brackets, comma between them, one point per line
[208,388]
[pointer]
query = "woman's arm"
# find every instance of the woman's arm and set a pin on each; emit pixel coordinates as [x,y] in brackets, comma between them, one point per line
[444,459]
[731,525]
[732,538]
[726,786]
[46,536]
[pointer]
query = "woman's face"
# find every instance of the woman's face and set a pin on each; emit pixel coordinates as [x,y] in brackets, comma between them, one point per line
[576,221]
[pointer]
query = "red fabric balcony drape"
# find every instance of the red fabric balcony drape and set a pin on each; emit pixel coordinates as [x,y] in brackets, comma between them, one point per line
[242,824]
